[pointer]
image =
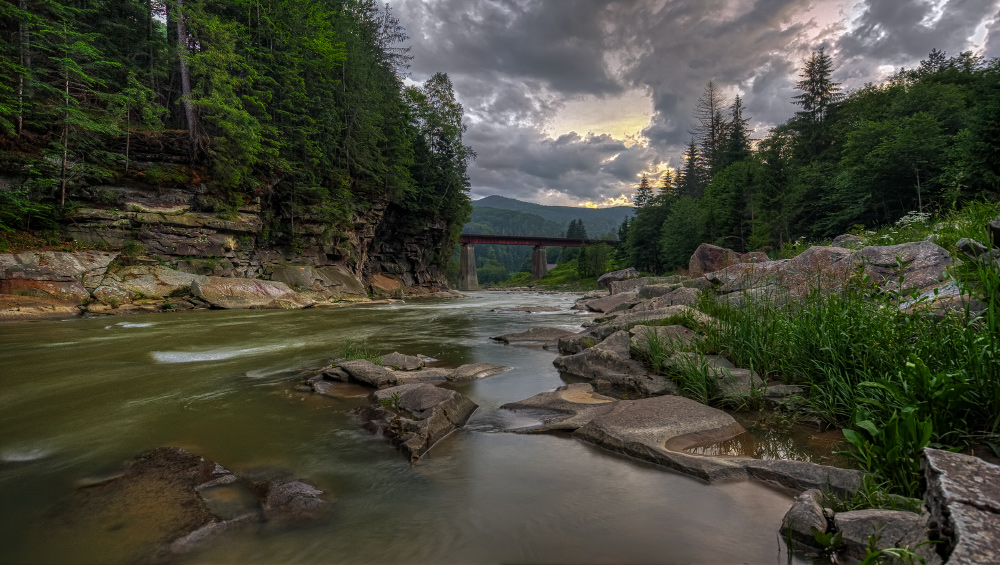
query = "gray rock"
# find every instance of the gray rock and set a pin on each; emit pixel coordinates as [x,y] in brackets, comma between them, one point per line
[414,417]
[732,383]
[924,264]
[567,408]
[146,281]
[618,342]
[535,336]
[526,309]
[473,371]
[971,248]
[708,258]
[613,302]
[805,514]
[654,290]
[963,496]
[607,278]
[657,429]
[801,475]
[425,375]
[576,343]
[365,371]
[402,362]
[672,338]
[848,241]
[291,501]
[895,528]
[594,364]
[644,317]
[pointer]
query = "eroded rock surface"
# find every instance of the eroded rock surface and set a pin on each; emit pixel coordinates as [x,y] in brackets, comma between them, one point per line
[565,409]
[547,337]
[963,496]
[414,417]
[223,292]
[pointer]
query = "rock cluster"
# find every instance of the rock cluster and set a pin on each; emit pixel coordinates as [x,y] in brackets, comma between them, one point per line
[179,501]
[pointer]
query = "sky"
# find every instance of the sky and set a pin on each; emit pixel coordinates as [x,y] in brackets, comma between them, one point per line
[569,102]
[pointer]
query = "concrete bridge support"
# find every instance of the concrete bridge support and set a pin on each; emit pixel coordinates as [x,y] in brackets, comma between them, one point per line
[539,263]
[467,279]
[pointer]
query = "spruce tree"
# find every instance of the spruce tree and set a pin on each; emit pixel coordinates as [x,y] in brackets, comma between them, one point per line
[643,193]
[691,181]
[818,89]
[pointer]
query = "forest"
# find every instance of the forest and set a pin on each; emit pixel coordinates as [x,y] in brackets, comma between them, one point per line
[925,141]
[299,106]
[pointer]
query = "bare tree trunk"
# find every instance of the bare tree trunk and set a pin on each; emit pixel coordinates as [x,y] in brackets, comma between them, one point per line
[185,78]
[65,155]
[25,65]
[920,198]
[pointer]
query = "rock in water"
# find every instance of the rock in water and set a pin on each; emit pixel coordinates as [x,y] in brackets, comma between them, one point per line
[565,409]
[369,373]
[963,495]
[402,362]
[416,416]
[293,500]
[547,337]
[222,292]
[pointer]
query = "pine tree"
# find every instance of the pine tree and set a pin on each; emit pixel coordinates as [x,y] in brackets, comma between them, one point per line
[643,193]
[691,181]
[818,89]
[736,145]
[668,184]
[710,130]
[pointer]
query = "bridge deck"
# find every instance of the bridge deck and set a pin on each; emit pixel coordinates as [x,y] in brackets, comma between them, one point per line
[529,240]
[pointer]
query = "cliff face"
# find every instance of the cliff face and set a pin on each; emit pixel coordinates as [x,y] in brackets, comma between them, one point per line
[160,224]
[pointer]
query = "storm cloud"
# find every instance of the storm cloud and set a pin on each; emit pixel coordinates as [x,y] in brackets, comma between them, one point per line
[517,65]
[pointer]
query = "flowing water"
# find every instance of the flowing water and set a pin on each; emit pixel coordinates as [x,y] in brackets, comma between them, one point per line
[79,397]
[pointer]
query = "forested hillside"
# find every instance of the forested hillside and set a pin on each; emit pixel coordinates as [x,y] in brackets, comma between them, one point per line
[295,109]
[925,140]
[597,221]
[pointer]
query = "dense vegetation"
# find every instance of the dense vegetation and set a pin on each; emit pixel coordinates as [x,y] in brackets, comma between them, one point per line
[926,140]
[299,104]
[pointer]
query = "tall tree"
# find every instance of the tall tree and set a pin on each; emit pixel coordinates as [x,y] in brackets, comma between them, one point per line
[643,192]
[710,128]
[736,142]
[691,181]
[818,89]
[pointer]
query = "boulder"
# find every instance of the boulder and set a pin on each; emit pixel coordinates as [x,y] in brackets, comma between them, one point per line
[576,343]
[547,337]
[401,362]
[565,409]
[365,371]
[923,264]
[894,528]
[431,375]
[414,417]
[643,317]
[682,296]
[848,241]
[473,371]
[247,293]
[607,278]
[15,307]
[672,338]
[805,514]
[613,302]
[291,501]
[332,282]
[654,290]
[963,497]
[708,258]
[609,362]
[384,286]
[143,281]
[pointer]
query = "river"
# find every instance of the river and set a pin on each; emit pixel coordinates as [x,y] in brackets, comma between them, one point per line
[79,397]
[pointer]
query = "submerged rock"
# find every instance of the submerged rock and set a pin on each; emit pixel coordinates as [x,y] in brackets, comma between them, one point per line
[401,362]
[416,416]
[473,371]
[565,409]
[547,337]
[291,500]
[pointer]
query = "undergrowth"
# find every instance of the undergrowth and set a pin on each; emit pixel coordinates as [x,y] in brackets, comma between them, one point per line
[351,350]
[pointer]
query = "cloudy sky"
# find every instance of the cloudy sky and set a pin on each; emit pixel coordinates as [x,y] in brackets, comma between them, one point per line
[568,102]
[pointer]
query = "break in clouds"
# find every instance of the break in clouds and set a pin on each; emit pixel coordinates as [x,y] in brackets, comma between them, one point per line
[526,68]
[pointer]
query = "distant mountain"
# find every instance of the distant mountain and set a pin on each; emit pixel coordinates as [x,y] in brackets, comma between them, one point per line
[598,221]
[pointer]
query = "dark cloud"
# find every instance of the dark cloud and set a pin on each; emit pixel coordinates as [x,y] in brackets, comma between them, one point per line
[515,63]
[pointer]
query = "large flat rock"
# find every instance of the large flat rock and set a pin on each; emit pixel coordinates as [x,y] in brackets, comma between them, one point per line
[565,409]
[613,302]
[15,307]
[235,293]
[658,429]
[546,337]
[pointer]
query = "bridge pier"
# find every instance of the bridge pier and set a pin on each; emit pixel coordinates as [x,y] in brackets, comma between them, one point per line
[539,263]
[467,279]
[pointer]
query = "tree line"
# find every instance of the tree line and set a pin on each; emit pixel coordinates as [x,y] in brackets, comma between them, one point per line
[924,140]
[299,104]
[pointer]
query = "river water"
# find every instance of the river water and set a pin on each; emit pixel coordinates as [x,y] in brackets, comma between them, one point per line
[79,397]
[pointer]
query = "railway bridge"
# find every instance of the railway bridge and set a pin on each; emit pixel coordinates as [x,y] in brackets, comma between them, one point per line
[467,279]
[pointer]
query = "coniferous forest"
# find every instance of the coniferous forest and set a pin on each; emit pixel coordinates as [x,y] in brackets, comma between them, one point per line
[924,141]
[300,105]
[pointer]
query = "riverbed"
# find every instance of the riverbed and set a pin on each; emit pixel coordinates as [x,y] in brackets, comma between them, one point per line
[80,396]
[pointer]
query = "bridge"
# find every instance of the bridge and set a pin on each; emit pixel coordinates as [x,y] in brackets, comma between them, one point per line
[467,279]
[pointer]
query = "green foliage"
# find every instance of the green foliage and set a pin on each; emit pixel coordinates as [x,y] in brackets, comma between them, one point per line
[872,494]
[891,452]
[351,350]
[17,210]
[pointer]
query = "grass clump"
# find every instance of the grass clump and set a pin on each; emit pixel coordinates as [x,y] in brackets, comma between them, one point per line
[351,350]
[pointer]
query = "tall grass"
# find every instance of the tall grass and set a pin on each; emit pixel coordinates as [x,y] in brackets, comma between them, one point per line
[859,349]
